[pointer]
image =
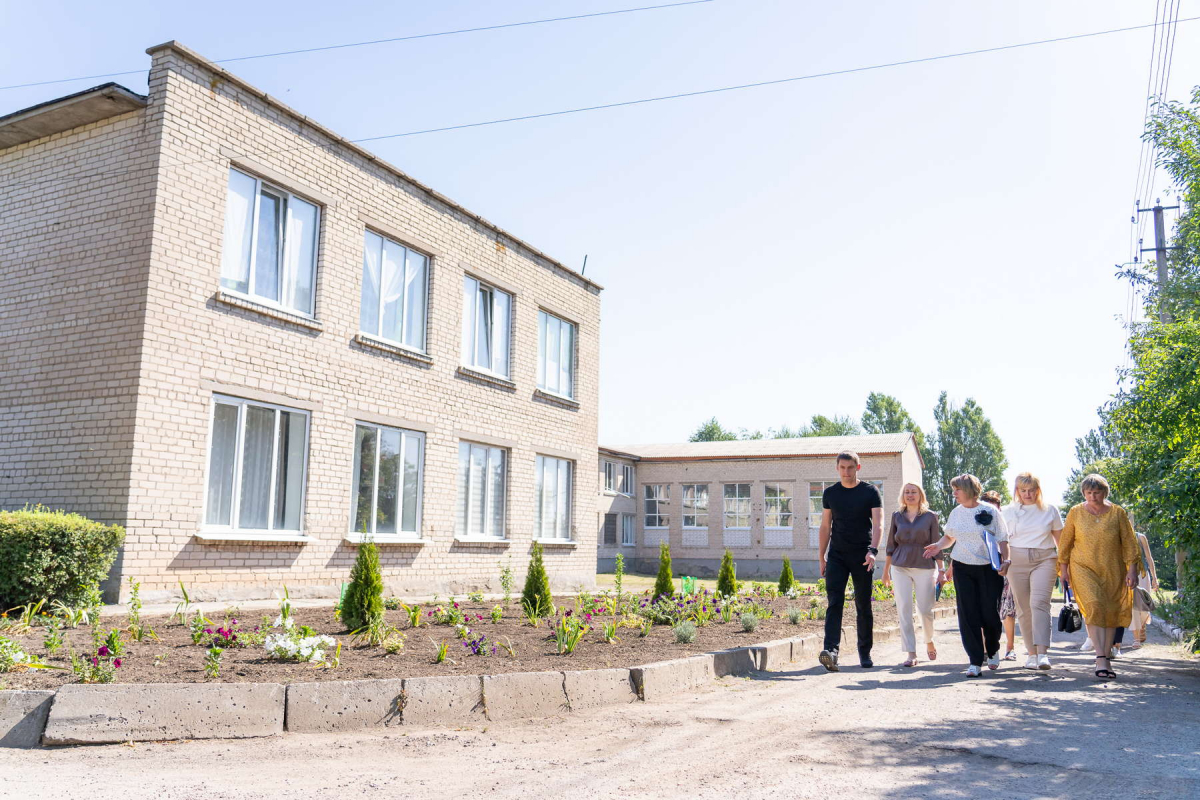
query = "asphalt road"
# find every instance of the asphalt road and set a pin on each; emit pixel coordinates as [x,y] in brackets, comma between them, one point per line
[883,733]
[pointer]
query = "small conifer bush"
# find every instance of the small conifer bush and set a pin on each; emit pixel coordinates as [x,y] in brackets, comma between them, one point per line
[685,632]
[363,603]
[786,579]
[535,597]
[749,622]
[727,578]
[663,585]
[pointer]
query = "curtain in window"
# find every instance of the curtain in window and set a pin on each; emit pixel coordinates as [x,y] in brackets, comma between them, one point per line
[239,228]
[268,245]
[500,321]
[464,484]
[301,255]
[566,357]
[476,508]
[221,465]
[483,328]
[391,327]
[563,497]
[256,468]
[388,482]
[368,313]
[496,460]
[415,293]
[289,470]
[412,482]
[364,478]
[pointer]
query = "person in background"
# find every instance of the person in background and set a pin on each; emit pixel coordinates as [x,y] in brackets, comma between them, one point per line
[913,527]
[1033,533]
[1098,559]
[1008,611]
[1148,580]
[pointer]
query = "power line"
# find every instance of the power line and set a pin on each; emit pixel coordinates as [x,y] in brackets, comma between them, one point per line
[377,41]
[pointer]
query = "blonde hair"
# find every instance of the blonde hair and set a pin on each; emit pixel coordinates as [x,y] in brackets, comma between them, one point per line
[1027,479]
[922,505]
[1094,481]
[969,484]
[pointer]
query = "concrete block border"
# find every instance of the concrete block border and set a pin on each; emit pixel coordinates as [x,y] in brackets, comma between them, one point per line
[116,713]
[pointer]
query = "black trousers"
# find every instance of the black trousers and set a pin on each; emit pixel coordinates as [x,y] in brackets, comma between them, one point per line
[839,569]
[978,588]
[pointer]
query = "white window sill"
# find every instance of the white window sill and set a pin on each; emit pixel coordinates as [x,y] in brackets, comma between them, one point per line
[384,538]
[611,493]
[656,528]
[486,376]
[628,544]
[702,528]
[253,536]
[776,528]
[483,540]
[557,542]
[395,348]
[555,397]
[266,308]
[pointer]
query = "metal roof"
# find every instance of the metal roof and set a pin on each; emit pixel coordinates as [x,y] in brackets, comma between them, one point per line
[67,113]
[803,447]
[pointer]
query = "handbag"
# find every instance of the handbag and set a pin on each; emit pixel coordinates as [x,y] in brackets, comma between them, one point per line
[1069,618]
[1143,596]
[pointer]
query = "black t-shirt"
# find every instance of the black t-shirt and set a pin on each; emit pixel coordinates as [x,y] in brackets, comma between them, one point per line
[851,532]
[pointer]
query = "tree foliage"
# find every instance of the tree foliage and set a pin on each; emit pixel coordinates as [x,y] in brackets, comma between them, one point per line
[727,577]
[786,578]
[535,596]
[363,603]
[963,440]
[711,431]
[885,414]
[836,425]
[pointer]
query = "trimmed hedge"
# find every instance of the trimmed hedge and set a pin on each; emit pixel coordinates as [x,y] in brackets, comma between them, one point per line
[53,555]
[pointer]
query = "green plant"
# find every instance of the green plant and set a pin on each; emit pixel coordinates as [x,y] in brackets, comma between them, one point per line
[197,626]
[112,640]
[646,626]
[507,581]
[135,602]
[881,591]
[817,612]
[475,597]
[53,639]
[821,589]
[11,655]
[729,607]
[618,574]
[394,642]
[27,619]
[786,579]
[141,632]
[497,614]
[414,615]
[161,658]
[536,594]
[663,585]
[392,603]
[508,647]
[212,662]
[749,622]
[609,632]
[568,631]
[727,576]
[531,616]
[336,660]
[182,607]
[685,632]
[71,616]
[794,615]
[442,650]
[53,555]
[284,620]
[374,632]
[364,597]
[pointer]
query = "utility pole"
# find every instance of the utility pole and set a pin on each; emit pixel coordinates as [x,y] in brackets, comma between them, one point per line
[1160,251]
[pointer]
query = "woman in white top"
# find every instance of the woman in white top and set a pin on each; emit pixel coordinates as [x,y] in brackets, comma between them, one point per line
[1033,526]
[977,583]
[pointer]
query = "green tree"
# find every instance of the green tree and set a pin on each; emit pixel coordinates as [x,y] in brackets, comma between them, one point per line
[786,579]
[885,414]
[712,431]
[663,585]
[963,440]
[363,603]
[536,594]
[836,425]
[727,577]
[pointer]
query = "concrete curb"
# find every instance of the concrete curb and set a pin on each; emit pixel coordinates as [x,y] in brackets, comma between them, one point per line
[331,706]
[1175,634]
[665,678]
[23,717]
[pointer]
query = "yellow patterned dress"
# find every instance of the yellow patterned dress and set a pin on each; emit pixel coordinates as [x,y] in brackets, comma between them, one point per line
[1100,550]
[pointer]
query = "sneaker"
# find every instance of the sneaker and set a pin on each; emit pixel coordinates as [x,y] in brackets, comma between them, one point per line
[1043,661]
[1011,655]
[994,661]
[974,671]
[828,659]
[1031,662]
[1115,652]
[865,662]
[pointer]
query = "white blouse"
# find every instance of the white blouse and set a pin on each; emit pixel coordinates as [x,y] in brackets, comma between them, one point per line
[1029,526]
[969,546]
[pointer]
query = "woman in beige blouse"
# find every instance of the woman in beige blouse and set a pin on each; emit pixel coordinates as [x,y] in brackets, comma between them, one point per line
[1033,527]
[913,528]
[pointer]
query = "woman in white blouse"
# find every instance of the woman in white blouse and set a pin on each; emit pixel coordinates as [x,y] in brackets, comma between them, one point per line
[977,583]
[1033,526]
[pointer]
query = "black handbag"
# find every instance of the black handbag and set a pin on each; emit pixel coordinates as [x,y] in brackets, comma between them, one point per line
[1069,618]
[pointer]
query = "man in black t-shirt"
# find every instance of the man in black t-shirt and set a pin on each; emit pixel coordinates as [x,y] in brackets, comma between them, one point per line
[849,542]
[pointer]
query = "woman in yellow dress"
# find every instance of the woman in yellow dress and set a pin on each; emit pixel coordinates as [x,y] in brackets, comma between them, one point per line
[1098,558]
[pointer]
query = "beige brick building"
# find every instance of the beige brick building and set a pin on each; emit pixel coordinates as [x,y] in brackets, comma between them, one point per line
[245,338]
[760,498]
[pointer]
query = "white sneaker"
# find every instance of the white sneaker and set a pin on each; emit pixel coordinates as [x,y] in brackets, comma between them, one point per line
[1043,661]
[974,671]
[994,662]
[1087,644]
[1031,662]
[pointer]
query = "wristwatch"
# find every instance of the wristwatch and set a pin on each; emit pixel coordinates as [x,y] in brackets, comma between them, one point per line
[873,551]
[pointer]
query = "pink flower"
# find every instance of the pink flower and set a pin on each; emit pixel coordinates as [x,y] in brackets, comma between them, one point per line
[95,661]
[117,663]
[103,651]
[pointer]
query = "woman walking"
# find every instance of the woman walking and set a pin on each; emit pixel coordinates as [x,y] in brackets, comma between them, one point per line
[913,528]
[1147,581]
[978,578]
[1033,534]
[1008,608]
[1097,557]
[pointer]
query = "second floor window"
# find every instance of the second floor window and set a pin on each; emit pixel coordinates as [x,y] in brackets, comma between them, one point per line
[658,502]
[393,292]
[737,505]
[270,250]
[610,476]
[627,480]
[556,355]
[486,315]
[695,505]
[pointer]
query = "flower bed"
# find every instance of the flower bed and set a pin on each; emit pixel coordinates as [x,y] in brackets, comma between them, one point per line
[476,643]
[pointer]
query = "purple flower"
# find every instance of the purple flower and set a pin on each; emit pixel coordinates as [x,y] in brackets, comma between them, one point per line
[95,661]
[103,651]
[208,630]
[117,663]
[233,622]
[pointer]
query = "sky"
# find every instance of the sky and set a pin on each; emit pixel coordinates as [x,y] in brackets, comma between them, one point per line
[766,254]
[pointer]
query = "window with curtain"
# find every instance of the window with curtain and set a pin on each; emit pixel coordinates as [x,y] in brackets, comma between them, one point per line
[394,292]
[626,486]
[657,505]
[627,534]
[695,505]
[270,251]
[610,476]
[487,313]
[737,505]
[256,466]
[482,473]
[779,505]
[388,466]
[553,498]
[556,355]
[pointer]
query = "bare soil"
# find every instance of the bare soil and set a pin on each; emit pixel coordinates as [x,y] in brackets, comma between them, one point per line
[535,650]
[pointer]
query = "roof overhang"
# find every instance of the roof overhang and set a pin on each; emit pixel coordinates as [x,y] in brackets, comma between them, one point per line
[67,113]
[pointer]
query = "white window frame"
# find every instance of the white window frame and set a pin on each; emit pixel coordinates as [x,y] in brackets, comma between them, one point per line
[236,493]
[400,535]
[769,501]
[697,511]
[487,535]
[628,531]
[285,251]
[500,338]
[558,527]
[659,494]
[405,250]
[725,508]
[627,480]
[610,477]
[550,323]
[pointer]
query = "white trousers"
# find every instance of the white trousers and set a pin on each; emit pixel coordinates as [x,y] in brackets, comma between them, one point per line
[907,581]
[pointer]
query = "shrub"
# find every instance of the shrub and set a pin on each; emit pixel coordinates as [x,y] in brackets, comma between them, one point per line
[794,615]
[535,597]
[663,585]
[363,603]
[786,579]
[53,555]
[727,577]
[749,622]
[685,632]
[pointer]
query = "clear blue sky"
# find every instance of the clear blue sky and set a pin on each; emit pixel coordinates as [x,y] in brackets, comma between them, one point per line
[771,253]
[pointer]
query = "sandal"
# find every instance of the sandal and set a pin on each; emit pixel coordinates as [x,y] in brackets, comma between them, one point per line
[1011,655]
[909,662]
[1105,674]
[931,651]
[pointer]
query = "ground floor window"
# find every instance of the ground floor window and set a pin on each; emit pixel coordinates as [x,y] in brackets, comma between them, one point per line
[553,498]
[737,505]
[695,505]
[779,505]
[482,477]
[627,534]
[387,481]
[657,503]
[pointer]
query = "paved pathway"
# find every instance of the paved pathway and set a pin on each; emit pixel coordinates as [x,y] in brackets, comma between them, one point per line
[884,733]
